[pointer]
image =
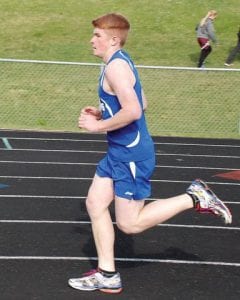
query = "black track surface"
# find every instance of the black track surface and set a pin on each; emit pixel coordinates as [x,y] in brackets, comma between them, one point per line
[45,233]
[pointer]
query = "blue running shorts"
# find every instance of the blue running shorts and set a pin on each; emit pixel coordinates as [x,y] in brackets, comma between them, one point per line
[131,180]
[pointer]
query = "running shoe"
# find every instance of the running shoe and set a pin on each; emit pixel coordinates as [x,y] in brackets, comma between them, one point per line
[95,280]
[205,201]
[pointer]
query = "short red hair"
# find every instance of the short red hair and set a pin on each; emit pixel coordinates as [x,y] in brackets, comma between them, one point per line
[114,22]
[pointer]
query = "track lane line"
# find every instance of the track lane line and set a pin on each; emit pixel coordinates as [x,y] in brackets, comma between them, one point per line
[104,152]
[90,179]
[94,164]
[89,223]
[122,259]
[105,142]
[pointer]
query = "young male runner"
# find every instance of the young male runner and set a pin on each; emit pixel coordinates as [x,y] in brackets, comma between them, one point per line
[123,175]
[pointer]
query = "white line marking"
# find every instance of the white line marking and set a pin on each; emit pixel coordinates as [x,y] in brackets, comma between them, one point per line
[208,182]
[199,226]
[197,167]
[104,141]
[60,140]
[87,179]
[94,164]
[42,197]
[90,179]
[154,199]
[198,145]
[45,178]
[57,150]
[103,152]
[120,259]
[75,178]
[89,222]
[45,222]
[48,162]
[75,197]
[197,155]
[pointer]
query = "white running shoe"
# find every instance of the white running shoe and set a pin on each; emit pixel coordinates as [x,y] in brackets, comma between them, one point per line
[95,280]
[205,201]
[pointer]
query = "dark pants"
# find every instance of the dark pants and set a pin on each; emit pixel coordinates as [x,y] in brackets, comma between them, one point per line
[205,50]
[233,53]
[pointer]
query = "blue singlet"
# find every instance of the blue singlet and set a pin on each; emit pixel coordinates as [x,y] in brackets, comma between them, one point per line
[132,142]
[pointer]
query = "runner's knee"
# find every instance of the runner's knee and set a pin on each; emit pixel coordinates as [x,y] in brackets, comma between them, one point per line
[128,227]
[92,206]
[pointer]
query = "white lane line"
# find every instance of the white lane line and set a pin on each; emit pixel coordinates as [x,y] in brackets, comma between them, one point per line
[74,197]
[57,139]
[89,222]
[94,164]
[208,182]
[42,196]
[49,163]
[45,177]
[103,152]
[104,141]
[57,150]
[123,259]
[197,144]
[198,155]
[87,179]
[197,167]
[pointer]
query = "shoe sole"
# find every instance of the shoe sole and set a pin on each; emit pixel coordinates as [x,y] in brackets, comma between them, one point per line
[111,291]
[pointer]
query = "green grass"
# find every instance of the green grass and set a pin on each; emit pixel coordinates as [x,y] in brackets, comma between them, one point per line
[162,31]
[190,103]
[193,103]
[45,96]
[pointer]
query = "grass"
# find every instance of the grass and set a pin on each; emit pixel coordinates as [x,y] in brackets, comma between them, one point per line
[188,107]
[162,32]
[43,96]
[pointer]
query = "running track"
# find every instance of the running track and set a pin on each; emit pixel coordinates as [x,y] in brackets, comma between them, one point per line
[45,233]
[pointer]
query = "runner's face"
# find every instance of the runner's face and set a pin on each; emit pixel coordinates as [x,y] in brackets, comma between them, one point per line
[101,42]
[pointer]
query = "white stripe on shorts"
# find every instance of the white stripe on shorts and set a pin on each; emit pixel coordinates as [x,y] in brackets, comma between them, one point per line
[132,166]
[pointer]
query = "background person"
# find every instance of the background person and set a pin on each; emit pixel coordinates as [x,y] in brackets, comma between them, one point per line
[205,34]
[234,51]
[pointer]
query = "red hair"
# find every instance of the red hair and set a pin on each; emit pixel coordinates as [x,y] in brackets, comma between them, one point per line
[113,22]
